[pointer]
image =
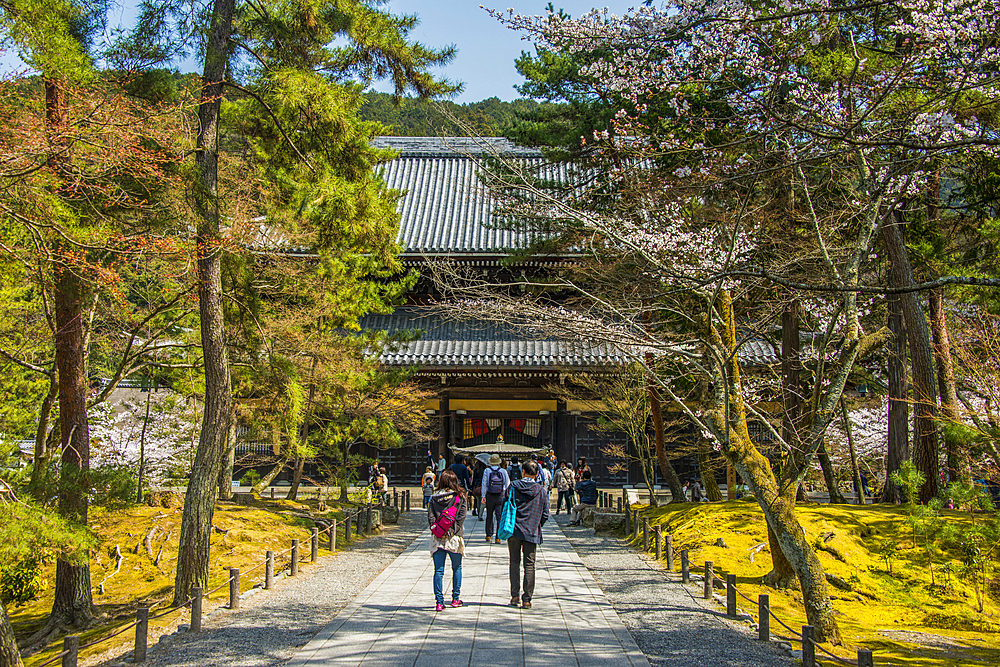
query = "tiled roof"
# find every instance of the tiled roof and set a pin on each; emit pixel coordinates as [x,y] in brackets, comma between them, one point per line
[446,207]
[485,345]
[463,344]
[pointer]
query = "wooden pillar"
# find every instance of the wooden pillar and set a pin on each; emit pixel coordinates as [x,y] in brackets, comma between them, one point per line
[444,434]
[730,482]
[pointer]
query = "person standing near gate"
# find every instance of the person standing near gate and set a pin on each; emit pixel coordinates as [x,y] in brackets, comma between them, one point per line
[563,482]
[495,483]
[532,511]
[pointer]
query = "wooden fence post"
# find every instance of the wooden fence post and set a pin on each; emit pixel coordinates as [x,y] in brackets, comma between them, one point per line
[645,534]
[358,519]
[368,520]
[659,542]
[731,595]
[333,535]
[71,644]
[234,588]
[670,552]
[395,498]
[196,594]
[293,569]
[709,580]
[635,526]
[268,569]
[685,567]
[141,634]
[808,648]
[619,505]
[628,520]
[347,529]
[764,619]
[865,658]
[408,492]
[314,546]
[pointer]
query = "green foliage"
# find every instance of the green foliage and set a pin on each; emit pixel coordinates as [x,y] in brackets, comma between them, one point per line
[413,117]
[977,542]
[30,537]
[250,478]
[114,486]
[924,520]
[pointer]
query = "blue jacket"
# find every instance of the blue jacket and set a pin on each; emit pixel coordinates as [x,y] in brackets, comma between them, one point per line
[587,490]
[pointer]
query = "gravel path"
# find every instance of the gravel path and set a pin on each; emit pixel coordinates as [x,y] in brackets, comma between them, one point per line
[670,625]
[271,625]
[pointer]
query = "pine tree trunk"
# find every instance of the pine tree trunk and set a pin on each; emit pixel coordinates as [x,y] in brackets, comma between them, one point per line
[73,600]
[898,448]
[9,655]
[712,491]
[925,452]
[666,469]
[958,459]
[859,488]
[830,476]
[293,490]
[199,501]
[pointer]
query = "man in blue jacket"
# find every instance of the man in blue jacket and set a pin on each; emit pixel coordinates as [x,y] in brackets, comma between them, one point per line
[531,501]
[586,490]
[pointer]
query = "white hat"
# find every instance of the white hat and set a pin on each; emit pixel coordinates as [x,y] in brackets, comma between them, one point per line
[494,459]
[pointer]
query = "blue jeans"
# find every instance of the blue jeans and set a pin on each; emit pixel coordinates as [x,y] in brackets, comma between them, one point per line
[456,574]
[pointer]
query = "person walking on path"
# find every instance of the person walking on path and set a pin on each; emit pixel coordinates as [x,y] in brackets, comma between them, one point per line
[495,483]
[441,465]
[452,543]
[562,480]
[696,491]
[531,503]
[427,484]
[462,472]
[587,490]
[477,489]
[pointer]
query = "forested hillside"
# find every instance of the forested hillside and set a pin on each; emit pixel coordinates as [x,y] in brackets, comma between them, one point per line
[413,117]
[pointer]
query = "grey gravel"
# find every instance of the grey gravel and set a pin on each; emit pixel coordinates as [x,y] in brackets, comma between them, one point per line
[669,623]
[270,626]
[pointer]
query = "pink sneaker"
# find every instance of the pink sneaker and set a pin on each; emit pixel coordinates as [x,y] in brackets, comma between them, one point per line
[440,607]
[456,603]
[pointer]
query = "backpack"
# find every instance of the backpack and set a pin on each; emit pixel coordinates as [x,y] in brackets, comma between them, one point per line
[514,472]
[507,517]
[444,523]
[494,482]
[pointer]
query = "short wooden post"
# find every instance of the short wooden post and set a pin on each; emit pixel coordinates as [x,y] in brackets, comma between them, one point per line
[314,546]
[141,634]
[635,526]
[408,492]
[731,595]
[808,648]
[395,498]
[709,580]
[272,493]
[234,588]
[659,542]
[619,505]
[347,530]
[268,569]
[669,547]
[685,567]
[368,520]
[358,518]
[628,520]
[196,594]
[293,569]
[333,535]
[645,534]
[764,619]
[71,645]
[865,658]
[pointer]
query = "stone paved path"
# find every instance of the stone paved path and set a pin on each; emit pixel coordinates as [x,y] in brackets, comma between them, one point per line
[392,622]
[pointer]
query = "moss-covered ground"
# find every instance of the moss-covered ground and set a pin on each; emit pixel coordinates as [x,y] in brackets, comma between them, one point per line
[901,615]
[240,537]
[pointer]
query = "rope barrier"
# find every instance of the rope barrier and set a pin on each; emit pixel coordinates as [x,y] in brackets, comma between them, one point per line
[51,660]
[255,567]
[172,609]
[224,584]
[111,636]
[835,657]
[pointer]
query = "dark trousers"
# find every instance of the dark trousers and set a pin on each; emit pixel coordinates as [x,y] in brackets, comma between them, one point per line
[493,509]
[521,552]
[477,503]
[568,496]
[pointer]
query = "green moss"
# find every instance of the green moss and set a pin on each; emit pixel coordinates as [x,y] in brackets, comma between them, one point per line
[879,604]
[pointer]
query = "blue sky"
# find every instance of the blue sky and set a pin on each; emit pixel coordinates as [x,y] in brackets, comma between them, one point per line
[486,48]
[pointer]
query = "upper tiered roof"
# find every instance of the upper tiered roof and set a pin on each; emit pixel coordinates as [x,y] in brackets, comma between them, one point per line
[447,209]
